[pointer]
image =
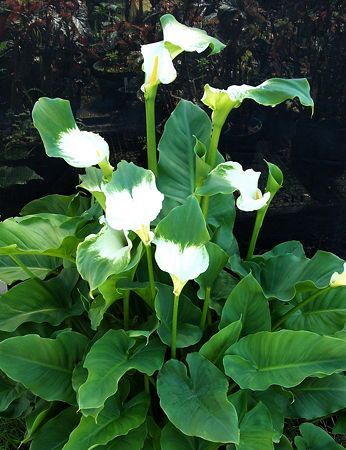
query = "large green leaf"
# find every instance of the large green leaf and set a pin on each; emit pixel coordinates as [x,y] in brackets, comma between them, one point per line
[326,314]
[108,360]
[9,392]
[248,303]
[116,419]
[220,218]
[281,276]
[68,205]
[318,397]
[189,316]
[43,365]
[315,438]
[197,403]
[133,440]
[293,356]
[276,401]
[256,430]
[215,348]
[289,247]
[40,301]
[40,266]
[54,433]
[173,439]
[176,168]
[340,425]
[223,286]
[284,444]
[46,234]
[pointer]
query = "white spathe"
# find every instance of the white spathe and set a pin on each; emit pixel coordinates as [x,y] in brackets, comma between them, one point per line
[183,264]
[187,38]
[158,65]
[113,245]
[135,209]
[338,279]
[82,148]
[244,181]
[177,37]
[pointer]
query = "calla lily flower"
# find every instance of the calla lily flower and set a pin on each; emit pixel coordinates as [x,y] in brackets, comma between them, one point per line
[180,240]
[132,200]
[158,65]
[103,254]
[62,138]
[158,57]
[269,93]
[179,37]
[338,279]
[229,177]
[82,148]
[183,264]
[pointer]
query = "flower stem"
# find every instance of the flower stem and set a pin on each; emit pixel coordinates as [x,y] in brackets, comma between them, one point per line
[256,229]
[151,129]
[211,159]
[146,383]
[151,273]
[300,305]
[174,326]
[126,305]
[205,307]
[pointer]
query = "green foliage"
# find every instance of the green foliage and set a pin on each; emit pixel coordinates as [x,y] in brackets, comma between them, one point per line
[88,317]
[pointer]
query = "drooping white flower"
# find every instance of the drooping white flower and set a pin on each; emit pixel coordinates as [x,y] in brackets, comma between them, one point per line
[188,39]
[230,177]
[132,200]
[269,93]
[338,279]
[183,264]
[82,148]
[180,240]
[158,56]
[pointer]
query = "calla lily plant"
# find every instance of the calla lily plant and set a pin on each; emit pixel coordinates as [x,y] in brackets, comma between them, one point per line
[133,320]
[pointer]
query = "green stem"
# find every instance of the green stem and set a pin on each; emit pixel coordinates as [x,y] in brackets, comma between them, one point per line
[299,306]
[146,384]
[151,129]
[205,307]
[211,159]
[256,229]
[174,326]
[126,304]
[20,264]
[214,142]
[151,273]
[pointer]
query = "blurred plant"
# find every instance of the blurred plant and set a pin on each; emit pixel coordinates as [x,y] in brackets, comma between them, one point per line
[18,143]
[45,45]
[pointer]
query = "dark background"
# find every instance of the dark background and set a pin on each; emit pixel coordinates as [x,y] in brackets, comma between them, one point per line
[89,52]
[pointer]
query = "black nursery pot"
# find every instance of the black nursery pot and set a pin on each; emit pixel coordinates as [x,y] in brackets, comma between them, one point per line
[110,82]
